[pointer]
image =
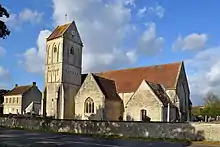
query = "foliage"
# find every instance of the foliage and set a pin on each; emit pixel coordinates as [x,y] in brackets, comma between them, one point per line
[4,31]
[197,110]
[211,106]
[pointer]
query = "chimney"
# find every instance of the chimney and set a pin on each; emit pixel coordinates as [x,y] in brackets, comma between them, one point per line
[16,85]
[34,84]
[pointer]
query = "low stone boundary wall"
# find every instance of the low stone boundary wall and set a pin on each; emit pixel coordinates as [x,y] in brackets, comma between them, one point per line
[192,131]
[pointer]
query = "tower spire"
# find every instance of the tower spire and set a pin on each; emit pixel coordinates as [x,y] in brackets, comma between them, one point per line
[65,18]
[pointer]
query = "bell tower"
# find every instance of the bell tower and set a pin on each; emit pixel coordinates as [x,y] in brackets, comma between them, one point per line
[62,72]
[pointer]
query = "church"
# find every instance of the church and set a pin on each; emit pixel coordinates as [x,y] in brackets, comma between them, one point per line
[159,93]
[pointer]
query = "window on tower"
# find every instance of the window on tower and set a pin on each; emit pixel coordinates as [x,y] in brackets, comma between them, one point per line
[72,51]
[55,48]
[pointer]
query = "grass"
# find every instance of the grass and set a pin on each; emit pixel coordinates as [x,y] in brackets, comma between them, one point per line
[214,143]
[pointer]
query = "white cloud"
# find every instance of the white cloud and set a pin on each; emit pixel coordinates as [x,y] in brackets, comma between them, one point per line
[2,51]
[33,59]
[142,11]
[4,74]
[103,27]
[156,10]
[25,16]
[214,74]
[130,3]
[203,73]
[109,24]
[28,15]
[149,43]
[191,42]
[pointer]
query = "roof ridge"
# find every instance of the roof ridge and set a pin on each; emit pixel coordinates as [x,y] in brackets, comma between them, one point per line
[54,34]
[163,91]
[23,86]
[180,62]
[103,77]
[19,90]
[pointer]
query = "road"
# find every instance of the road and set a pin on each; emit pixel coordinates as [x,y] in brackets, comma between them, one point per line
[15,138]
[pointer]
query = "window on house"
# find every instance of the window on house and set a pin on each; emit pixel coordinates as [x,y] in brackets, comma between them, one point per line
[17,99]
[89,105]
[9,100]
[17,112]
[6,100]
[143,114]
[13,99]
[72,51]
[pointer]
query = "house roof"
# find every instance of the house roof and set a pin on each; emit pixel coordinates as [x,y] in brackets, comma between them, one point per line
[59,31]
[159,92]
[128,80]
[108,87]
[18,90]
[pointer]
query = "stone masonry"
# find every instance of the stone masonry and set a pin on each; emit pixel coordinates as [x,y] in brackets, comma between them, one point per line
[192,131]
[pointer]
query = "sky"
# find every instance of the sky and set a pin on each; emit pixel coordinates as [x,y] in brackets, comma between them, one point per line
[116,34]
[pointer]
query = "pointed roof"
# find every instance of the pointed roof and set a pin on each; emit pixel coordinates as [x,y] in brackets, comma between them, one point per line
[128,80]
[107,87]
[59,31]
[18,90]
[159,92]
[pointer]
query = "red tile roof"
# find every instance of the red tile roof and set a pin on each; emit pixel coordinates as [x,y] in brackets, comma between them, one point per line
[128,80]
[59,31]
[18,90]
[108,88]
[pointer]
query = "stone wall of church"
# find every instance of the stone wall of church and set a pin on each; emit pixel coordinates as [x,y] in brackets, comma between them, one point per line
[125,97]
[89,89]
[180,95]
[144,99]
[113,110]
[192,131]
[183,94]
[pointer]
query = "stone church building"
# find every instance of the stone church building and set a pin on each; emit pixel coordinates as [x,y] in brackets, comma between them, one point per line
[159,92]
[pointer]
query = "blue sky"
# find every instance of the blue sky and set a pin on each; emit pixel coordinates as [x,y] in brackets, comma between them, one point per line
[122,33]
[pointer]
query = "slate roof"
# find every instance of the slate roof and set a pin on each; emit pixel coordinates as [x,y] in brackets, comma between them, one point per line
[159,92]
[108,88]
[128,80]
[59,31]
[18,90]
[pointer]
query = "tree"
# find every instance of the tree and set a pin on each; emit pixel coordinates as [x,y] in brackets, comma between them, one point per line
[212,105]
[196,110]
[4,31]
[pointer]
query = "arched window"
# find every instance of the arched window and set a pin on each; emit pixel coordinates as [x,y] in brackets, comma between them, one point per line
[143,114]
[72,51]
[55,48]
[89,105]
